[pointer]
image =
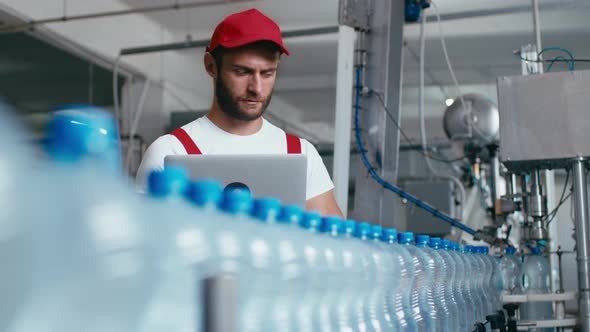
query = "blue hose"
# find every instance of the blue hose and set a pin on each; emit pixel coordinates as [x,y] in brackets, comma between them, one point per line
[426,207]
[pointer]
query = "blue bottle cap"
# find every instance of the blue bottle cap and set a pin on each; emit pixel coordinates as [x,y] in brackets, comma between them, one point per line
[447,245]
[205,193]
[435,242]
[468,249]
[456,246]
[291,214]
[536,251]
[363,231]
[266,209]
[350,228]
[422,240]
[311,221]
[332,225]
[76,132]
[405,238]
[169,182]
[376,232]
[510,251]
[236,201]
[485,250]
[390,235]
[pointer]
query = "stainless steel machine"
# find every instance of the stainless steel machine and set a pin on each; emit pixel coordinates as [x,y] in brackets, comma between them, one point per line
[544,124]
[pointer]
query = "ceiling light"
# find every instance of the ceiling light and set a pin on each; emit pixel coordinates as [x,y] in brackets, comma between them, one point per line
[449,101]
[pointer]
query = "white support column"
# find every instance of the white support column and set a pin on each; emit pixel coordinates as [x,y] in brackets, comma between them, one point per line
[343,125]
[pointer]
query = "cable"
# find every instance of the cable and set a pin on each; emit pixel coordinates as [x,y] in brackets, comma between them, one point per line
[572,64]
[446,54]
[556,59]
[422,121]
[436,213]
[562,199]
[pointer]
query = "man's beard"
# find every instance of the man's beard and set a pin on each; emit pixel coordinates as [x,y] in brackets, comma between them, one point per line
[229,103]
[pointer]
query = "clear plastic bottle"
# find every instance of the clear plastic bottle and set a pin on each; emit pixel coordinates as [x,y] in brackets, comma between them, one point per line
[443,282]
[263,280]
[475,268]
[400,292]
[369,277]
[536,281]
[455,293]
[511,271]
[181,234]
[485,279]
[384,280]
[93,259]
[308,317]
[428,300]
[406,240]
[292,268]
[352,315]
[465,270]
[333,227]
[494,280]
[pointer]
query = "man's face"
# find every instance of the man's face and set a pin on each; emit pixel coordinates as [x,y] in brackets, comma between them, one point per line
[245,81]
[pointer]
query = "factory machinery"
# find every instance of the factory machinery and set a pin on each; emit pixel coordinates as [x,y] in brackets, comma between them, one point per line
[539,126]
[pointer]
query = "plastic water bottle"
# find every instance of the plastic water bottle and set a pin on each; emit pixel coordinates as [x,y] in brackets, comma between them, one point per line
[443,284]
[536,281]
[292,268]
[455,295]
[400,305]
[352,315]
[511,271]
[428,301]
[394,293]
[182,235]
[475,283]
[93,261]
[494,279]
[487,279]
[308,313]
[406,239]
[481,284]
[384,280]
[465,270]
[333,309]
[364,233]
[262,280]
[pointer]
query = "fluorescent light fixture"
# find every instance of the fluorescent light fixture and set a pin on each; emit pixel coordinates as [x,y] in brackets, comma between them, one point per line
[449,101]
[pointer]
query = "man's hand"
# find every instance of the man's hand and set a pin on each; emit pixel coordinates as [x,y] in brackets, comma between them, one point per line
[325,204]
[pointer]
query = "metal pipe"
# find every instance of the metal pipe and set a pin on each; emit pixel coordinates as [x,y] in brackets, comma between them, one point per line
[177,6]
[511,184]
[580,200]
[205,42]
[537,27]
[220,303]
[342,123]
[495,175]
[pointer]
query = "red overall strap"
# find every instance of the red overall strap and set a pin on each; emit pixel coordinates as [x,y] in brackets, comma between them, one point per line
[186,140]
[293,144]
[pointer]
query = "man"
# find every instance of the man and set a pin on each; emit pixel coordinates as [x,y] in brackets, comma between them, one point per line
[243,59]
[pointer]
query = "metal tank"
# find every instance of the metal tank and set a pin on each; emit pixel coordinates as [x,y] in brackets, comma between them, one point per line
[477,121]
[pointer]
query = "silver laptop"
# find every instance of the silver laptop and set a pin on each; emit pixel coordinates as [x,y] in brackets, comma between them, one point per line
[280,176]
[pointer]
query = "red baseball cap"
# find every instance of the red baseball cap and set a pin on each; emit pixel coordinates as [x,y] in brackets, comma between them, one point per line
[244,28]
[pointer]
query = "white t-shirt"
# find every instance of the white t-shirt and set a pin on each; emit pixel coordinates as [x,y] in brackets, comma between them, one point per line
[211,139]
